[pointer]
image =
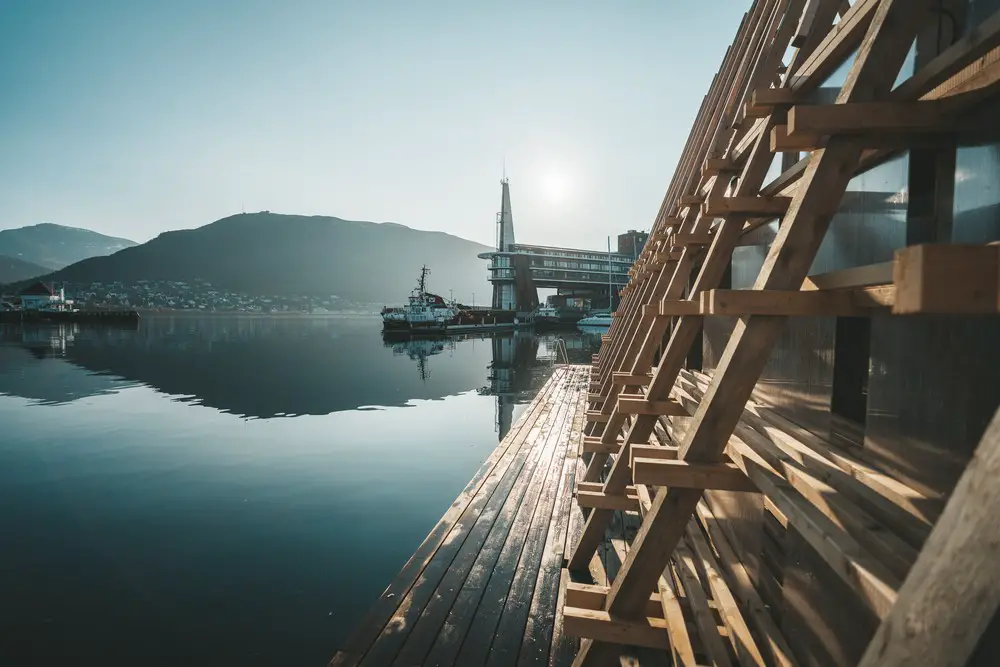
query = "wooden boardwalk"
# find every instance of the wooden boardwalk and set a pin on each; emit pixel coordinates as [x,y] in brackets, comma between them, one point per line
[483,587]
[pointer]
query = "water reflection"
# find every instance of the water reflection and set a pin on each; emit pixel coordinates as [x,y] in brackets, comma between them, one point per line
[266,368]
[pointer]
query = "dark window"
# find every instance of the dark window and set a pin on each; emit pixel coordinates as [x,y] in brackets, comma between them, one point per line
[852,347]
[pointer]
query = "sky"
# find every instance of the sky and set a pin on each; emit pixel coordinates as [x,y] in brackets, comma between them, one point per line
[135,117]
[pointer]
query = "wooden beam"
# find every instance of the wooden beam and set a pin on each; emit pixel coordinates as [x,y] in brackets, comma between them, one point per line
[831,303]
[693,238]
[601,626]
[679,307]
[947,278]
[861,276]
[746,207]
[868,118]
[629,380]
[596,416]
[953,590]
[716,165]
[691,200]
[720,476]
[592,596]
[592,444]
[606,501]
[633,405]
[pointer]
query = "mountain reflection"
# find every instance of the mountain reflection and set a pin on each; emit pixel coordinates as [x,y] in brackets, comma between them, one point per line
[264,368]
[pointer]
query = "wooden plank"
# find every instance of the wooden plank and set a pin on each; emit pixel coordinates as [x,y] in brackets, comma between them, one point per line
[859,276]
[947,278]
[592,596]
[596,445]
[743,643]
[444,541]
[630,405]
[606,501]
[630,380]
[542,638]
[953,591]
[601,626]
[840,303]
[444,620]
[596,416]
[774,644]
[661,472]
[692,238]
[746,207]
[678,307]
[866,118]
[500,616]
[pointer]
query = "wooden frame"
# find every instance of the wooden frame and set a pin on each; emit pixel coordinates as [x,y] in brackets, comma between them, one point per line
[676,283]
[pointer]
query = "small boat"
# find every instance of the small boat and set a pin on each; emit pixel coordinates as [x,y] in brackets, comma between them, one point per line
[596,320]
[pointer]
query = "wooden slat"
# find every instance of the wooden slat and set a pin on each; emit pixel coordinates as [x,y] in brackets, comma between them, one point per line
[640,406]
[661,472]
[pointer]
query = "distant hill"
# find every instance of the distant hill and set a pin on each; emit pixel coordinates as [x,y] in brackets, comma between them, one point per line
[13,270]
[57,246]
[272,254]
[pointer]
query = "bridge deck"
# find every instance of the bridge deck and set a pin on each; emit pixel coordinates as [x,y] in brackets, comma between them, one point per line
[483,587]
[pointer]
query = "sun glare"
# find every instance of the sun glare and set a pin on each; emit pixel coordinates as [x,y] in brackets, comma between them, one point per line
[556,186]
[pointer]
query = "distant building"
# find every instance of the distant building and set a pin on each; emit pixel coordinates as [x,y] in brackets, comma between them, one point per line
[631,243]
[39,296]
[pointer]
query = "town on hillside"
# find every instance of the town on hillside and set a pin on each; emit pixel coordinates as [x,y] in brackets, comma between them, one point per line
[163,295]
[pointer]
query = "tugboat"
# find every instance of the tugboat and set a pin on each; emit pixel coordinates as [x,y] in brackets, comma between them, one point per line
[425,313]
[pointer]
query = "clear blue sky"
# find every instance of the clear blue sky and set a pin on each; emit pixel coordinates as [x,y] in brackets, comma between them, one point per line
[132,117]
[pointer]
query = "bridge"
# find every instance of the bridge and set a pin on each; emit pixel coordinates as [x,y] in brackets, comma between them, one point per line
[517,270]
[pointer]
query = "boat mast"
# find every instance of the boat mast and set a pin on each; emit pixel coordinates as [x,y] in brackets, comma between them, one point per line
[423,279]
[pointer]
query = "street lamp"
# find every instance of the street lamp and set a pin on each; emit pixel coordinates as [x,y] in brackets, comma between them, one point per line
[473,299]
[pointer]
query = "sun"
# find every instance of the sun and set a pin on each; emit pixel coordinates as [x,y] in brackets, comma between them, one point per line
[556,186]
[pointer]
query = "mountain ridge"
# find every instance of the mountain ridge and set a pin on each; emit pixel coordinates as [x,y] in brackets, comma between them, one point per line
[281,254]
[55,246]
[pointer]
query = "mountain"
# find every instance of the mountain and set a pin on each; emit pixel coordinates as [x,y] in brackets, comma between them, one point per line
[273,254]
[57,246]
[13,270]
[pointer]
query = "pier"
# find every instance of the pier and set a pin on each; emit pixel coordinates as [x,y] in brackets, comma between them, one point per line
[483,587]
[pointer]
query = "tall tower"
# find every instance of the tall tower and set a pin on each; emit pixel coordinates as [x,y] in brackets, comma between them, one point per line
[504,297]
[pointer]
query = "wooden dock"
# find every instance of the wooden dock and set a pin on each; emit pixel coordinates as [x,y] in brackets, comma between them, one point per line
[483,587]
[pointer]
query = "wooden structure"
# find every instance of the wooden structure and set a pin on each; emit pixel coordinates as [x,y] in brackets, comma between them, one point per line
[826,490]
[484,585]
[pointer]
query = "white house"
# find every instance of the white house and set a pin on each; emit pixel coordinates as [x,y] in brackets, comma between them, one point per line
[40,295]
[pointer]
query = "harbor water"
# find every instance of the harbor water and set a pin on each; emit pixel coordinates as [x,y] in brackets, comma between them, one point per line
[232,491]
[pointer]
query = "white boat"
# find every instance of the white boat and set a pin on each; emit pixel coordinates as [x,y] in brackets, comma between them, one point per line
[596,320]
[425,312]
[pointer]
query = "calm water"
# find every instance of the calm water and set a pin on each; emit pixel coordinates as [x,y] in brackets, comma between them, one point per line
[231,491]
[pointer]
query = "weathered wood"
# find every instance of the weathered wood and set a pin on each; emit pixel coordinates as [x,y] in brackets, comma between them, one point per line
[496,567]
